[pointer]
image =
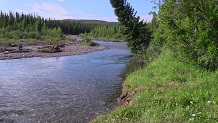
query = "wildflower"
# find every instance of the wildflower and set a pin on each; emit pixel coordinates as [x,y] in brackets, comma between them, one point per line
[191,118]
[191,102]
[126,118]
[193,115]
[208,102]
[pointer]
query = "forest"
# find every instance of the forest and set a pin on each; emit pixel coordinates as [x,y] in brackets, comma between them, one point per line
[35,28]
[20,26]
[110,33]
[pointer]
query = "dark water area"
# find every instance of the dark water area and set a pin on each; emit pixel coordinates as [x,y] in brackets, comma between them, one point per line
[69,89]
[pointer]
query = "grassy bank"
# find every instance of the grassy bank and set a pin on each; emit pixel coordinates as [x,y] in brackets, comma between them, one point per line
[173,92]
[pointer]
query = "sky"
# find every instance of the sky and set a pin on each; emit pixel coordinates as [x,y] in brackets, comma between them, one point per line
[74,9]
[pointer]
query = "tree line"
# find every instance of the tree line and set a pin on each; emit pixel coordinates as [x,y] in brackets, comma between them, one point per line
[32,26]
[21,26]
[188,28]
[106,33]
[15,21]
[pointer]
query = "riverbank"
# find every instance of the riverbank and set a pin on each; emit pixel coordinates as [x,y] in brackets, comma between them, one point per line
[68,48]
[168,90]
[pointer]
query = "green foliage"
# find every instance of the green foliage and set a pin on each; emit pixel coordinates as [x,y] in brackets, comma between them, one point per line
[20,26]
[190,29]
[174,92]
[77,27]
[72,27]
[32,26]
[8,42]
[112,33]
[137,35]
[88,42]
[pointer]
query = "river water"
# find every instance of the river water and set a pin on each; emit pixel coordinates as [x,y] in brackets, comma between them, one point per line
[69,89]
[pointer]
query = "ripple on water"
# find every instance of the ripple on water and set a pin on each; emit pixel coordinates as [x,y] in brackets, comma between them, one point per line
[64,89]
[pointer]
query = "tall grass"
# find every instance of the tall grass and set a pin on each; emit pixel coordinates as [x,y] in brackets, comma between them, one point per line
[174,92]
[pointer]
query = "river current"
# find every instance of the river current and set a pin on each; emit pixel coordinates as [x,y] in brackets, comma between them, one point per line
[68,89]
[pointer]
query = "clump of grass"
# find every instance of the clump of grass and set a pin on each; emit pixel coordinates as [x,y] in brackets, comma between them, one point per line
[8,42]
[45,50]
[88,42]
[32,42]
[174,92]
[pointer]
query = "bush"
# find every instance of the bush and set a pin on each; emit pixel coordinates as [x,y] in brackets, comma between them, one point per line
[88,42]
[9,42]
[190,31]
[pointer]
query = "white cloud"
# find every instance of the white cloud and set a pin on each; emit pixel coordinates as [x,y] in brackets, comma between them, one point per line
[147,18]
[56,11]
[48,10]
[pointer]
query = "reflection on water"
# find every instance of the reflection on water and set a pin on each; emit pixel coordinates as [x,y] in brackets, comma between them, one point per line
[61,89]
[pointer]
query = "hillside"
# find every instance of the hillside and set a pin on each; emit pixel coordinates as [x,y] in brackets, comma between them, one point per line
[97,22]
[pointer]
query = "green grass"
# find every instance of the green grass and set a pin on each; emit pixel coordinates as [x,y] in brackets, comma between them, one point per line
[174,92]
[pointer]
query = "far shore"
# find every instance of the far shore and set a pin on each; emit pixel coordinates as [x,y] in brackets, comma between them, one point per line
[70,48]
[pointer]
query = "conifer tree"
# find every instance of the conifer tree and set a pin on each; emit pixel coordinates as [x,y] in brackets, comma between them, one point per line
[138,36]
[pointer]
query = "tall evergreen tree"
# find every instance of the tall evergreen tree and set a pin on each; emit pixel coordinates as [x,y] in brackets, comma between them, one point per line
[138,36]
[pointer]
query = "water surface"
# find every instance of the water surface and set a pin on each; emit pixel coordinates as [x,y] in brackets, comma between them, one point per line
[62,89]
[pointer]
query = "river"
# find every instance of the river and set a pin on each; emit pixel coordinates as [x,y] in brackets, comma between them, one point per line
[68,89]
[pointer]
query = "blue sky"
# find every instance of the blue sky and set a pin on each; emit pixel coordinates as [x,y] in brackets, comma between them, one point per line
[74,9]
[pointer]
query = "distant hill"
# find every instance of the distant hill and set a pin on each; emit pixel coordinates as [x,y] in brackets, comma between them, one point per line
[97,22]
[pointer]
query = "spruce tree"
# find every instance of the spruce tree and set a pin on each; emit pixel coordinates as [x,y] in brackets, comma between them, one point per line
[138,36]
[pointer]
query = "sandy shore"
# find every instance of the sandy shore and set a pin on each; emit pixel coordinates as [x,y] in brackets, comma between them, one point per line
[70,48]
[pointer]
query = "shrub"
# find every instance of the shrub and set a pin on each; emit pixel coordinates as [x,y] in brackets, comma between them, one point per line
[9,42]
[190,31]
[88,42]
